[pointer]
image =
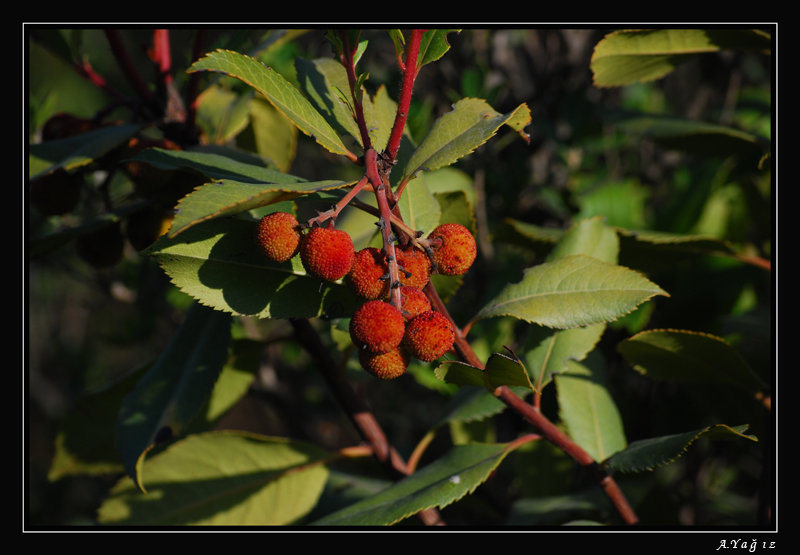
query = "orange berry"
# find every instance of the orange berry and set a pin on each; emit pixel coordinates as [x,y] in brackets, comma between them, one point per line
[277,236]
[457,251]
[364,278]
[417,263]
[377,327]
[327,253]
[415,302]
[385,366]
[428,336]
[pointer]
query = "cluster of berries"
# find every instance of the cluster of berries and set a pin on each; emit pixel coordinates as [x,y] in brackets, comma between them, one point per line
[386,336]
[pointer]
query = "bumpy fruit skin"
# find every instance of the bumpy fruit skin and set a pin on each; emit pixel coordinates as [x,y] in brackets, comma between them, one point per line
[364,278]
[457,252]
[428,336]
[385,366]
[277,236]
[377,327]
[415,302]
[417,263]
[327,253]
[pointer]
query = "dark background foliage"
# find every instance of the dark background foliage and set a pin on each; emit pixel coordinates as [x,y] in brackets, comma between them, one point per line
[86,327]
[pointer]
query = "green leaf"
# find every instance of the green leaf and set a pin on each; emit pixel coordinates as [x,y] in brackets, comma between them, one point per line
[652,251]
[471,123]
[217,263]
[621,204]
[648,454]
[626,57]
[689,357]
[500,370]
[587,409]
[239,187]
[469,404]
[175,388]
[278,91]
[697,137]
[319,79]
[433,45]
[439,484]
[591,237]
[85,440]
[275,138]
[419,208]
[216,165]
[536,238]
[222,114]
[572,291]
[547,350]
[78,151]
[222,478]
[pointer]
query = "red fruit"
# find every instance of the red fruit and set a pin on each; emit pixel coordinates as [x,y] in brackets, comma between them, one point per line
[457,251]
[415,302]
[277,236]
[428,336]
[377,327]
[417,264]
[385,366]
[364,278]
[327,253]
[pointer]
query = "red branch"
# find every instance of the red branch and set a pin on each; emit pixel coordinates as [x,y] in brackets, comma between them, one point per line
[409,75]
[128,69]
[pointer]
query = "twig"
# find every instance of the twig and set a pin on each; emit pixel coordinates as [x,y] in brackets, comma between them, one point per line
[355,408]
[410,71]
[533,415]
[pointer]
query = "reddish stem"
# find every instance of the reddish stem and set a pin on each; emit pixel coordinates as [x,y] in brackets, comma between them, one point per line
[409,75]
[128,69]
[350,67]
[86,71]
[162,55]
[371,163]
[532,414]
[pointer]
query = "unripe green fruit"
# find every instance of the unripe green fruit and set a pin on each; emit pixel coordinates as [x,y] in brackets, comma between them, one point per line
[428,336]
[327,253]
[277,236]
[457,252]
[377,326]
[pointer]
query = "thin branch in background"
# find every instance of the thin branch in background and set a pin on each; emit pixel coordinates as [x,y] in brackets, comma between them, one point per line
[356,409]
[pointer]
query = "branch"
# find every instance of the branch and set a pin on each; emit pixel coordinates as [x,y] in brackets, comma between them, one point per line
[350,66]
[533,416]
[355,408]
[128,69]
[371,163]
[409,75]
